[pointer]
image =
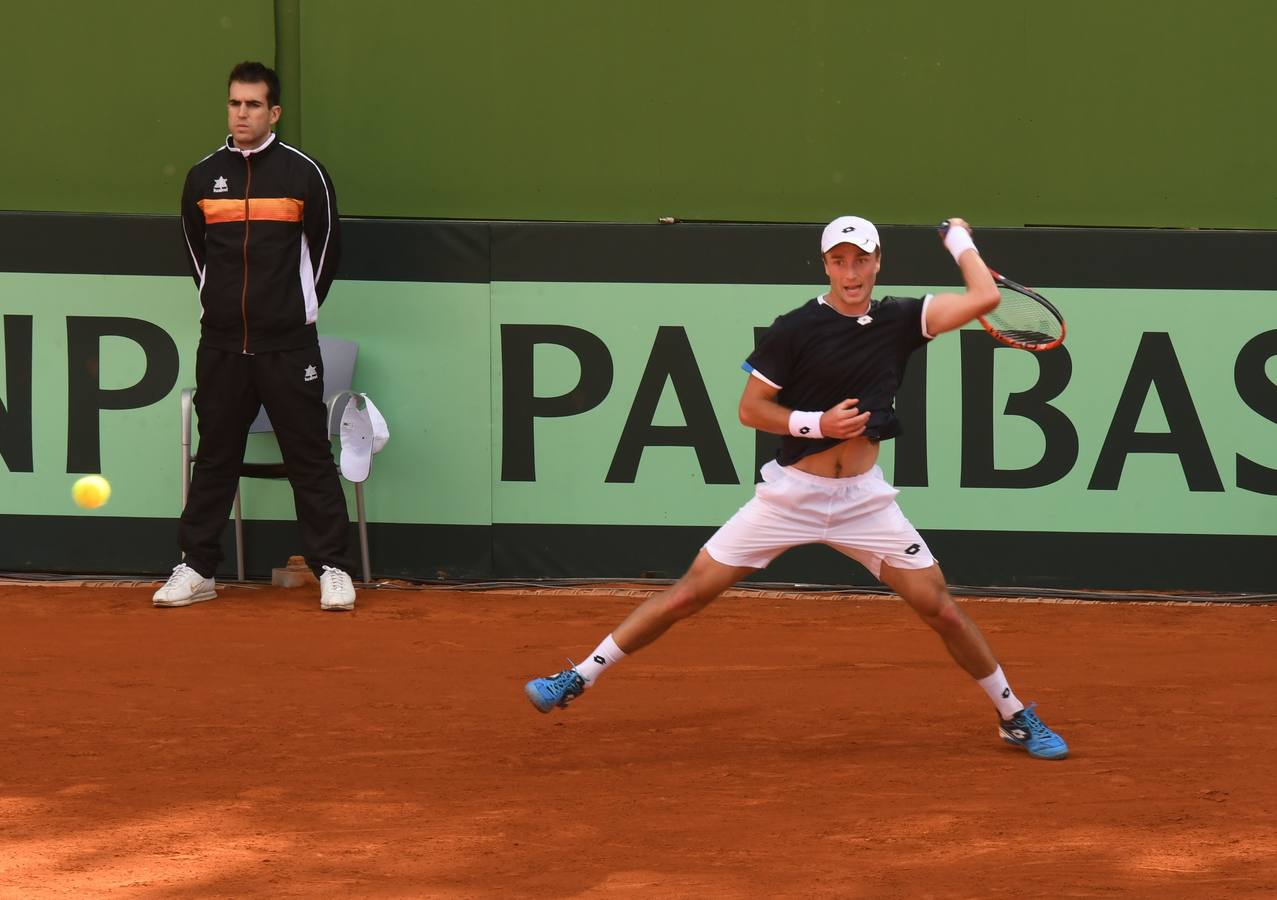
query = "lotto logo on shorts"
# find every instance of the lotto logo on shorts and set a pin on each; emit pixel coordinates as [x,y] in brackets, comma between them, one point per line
[913,549]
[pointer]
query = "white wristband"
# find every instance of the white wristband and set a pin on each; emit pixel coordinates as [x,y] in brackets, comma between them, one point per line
[957,240]
[805,424]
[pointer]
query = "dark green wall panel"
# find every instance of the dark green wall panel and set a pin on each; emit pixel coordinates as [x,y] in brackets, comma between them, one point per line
[1087,113]
[631,110]
[109,104]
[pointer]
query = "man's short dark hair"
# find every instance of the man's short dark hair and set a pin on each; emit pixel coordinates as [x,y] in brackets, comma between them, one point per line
[257,73]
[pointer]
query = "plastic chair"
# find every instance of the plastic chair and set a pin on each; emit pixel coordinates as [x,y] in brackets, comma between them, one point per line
[339,371]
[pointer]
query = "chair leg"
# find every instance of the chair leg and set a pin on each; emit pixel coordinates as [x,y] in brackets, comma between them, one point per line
[188,406]
[363,531]
[239,539]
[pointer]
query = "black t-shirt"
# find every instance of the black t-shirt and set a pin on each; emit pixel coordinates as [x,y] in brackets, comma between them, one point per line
[818,357]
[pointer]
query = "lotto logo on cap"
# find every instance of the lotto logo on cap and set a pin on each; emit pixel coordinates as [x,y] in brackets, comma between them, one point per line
[850,230]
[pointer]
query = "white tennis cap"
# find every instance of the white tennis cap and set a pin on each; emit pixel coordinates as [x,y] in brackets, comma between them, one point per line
[850,230]
[363,433]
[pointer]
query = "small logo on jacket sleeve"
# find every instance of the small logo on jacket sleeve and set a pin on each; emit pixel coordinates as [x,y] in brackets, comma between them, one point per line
[310,373]
[219,185]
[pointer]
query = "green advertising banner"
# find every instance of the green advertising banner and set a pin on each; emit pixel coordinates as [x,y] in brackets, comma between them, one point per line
[1146,428]
[423,359]
[1148,422]
[562,400]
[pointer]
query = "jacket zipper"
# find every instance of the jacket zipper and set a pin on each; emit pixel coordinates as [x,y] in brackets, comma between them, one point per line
[243,297]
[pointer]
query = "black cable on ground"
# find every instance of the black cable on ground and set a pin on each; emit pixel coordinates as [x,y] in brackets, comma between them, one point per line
[531,584]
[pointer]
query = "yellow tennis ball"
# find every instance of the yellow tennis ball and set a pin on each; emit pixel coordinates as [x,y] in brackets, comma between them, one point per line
[91,491]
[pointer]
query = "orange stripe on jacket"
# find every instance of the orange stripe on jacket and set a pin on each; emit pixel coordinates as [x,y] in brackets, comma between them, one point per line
[271,209]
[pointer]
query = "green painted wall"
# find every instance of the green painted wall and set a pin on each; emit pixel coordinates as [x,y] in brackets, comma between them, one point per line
[1095,112]
[109,104]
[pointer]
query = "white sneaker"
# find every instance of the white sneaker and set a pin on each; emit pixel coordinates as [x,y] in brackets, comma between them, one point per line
[184,587]
[336,591]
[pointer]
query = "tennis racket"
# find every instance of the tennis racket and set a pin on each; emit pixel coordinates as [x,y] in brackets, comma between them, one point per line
[1024,319]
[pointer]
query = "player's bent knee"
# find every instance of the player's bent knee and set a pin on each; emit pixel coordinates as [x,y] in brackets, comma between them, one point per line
[947,618]
[683,601]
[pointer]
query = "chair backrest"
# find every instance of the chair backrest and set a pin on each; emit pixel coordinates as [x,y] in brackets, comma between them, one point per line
[339,374]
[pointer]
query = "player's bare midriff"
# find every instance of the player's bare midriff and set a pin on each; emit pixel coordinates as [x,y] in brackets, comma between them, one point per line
[854,456]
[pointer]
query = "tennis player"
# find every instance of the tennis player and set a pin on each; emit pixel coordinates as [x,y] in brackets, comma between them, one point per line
[825,376]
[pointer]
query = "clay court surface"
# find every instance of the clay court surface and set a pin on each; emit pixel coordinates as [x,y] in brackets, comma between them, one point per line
[774,746]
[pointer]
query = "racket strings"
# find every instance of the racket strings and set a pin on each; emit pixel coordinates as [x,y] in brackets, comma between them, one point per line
[1023,319]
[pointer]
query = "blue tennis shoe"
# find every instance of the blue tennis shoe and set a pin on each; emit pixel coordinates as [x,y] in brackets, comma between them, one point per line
[557,690]
[1027,731]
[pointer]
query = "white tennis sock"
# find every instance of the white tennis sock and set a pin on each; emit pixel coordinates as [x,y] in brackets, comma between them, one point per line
[999,692]
[603,656]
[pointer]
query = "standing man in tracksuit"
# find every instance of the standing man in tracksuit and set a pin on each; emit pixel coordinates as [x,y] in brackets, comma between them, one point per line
[260,220]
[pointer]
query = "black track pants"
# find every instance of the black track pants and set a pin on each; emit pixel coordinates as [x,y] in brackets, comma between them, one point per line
[229,388]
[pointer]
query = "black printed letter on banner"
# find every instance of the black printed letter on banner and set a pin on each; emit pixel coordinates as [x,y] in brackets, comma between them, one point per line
[15,406]
[672,360]
[1055,369]
[1259,394]
[1156,366]
[85,396]
[520,409]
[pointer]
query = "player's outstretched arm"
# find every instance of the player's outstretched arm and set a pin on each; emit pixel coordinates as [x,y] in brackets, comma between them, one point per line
[948,311]
[759,410]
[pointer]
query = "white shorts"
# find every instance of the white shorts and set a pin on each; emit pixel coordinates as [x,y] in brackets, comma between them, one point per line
[857,516]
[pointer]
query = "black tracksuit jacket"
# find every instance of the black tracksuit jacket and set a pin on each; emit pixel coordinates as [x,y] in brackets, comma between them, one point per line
[264,242]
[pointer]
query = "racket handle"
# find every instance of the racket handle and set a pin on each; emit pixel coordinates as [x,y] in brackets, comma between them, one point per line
[944,228]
